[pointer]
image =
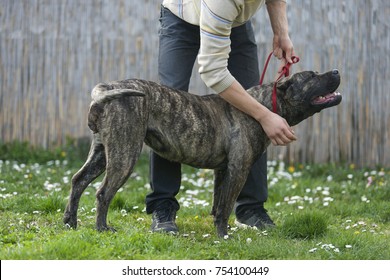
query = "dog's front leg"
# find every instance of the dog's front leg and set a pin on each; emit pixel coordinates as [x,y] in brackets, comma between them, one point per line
[228,185]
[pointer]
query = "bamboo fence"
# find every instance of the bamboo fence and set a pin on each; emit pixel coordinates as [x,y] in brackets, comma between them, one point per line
[52,53]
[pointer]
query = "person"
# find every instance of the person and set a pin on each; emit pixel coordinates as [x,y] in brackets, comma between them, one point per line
[219,34]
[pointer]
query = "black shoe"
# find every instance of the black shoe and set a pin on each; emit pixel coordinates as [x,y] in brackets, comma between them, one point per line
[164,219]
[255,218]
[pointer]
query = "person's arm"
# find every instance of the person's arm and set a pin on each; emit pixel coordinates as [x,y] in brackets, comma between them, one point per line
[214,52]
[276,127]
[281,41]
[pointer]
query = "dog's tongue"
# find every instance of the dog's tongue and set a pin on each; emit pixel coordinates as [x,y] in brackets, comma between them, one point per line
[325,98]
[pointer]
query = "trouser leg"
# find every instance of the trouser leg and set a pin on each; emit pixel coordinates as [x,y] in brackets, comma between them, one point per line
[178,48]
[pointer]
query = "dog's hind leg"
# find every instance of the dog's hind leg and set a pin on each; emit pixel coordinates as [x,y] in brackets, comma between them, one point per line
[124,135]
[92,168]
[119,167]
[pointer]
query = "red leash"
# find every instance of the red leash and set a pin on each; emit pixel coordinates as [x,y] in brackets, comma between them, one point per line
[285,72]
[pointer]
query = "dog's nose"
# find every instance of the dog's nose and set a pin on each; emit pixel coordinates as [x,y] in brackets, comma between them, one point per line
[335,72]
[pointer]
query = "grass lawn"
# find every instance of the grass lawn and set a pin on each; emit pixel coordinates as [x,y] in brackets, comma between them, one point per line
[321,211]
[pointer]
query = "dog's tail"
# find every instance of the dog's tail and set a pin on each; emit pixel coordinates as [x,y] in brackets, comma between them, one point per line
[100,94]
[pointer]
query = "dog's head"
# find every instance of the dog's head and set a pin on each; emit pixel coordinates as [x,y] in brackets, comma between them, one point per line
[306,93]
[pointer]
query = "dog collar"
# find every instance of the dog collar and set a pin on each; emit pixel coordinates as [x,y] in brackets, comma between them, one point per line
[285,72]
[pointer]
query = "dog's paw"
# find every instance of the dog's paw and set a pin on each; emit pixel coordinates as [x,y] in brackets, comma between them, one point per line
[105,229]
[69,221]
[222,233]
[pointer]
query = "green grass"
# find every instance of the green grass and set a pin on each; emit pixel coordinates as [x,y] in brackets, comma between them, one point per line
[321,211]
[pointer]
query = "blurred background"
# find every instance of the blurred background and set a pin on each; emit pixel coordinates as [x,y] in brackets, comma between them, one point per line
[53,52]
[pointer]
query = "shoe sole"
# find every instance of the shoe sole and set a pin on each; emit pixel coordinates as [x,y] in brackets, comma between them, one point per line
[172,230]
[245,226]
[165,232]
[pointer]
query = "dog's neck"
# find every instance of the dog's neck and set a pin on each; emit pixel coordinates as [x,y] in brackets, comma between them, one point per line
[263,94]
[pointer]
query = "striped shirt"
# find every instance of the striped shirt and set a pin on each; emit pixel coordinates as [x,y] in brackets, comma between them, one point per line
[215,18]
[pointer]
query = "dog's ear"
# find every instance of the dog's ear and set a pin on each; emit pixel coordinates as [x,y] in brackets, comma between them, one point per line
[284,83]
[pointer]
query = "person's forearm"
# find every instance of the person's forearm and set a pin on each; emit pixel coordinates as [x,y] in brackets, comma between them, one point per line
[278,17]
[237,96]
[282,45]
[276,128]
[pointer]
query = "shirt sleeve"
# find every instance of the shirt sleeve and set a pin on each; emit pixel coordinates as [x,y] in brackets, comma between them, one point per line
[268,1]
[216,20]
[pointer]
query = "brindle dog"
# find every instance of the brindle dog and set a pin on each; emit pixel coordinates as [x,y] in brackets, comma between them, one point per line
[201,131]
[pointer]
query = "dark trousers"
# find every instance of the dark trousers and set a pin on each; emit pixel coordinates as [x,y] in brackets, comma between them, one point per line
[178,48]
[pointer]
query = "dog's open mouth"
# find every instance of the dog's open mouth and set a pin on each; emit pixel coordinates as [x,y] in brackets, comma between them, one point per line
[328,99]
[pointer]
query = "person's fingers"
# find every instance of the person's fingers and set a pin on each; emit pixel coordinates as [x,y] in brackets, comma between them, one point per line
[282,142]
[290,134]
[289,55]
[281,65]
[278,130]
[278,53]
[283,139]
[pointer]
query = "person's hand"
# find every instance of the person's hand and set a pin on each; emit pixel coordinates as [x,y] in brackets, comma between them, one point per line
[277,129]
[283,50]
